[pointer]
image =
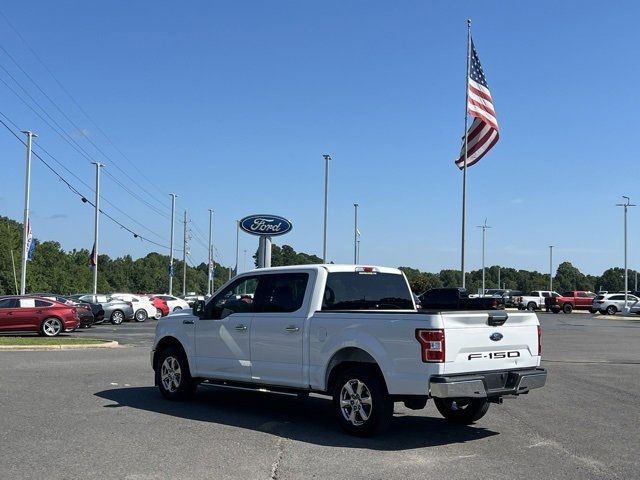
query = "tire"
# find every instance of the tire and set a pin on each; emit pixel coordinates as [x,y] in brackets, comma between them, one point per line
[173,376]
[556,310]
[158,314]
[141,315]
[361,402]
[117,317]
[462,411]
[611,310]
[51,327]
[567,308]
[177,309]
[531,306]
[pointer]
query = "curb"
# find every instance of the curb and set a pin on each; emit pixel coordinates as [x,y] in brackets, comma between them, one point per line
[111,344]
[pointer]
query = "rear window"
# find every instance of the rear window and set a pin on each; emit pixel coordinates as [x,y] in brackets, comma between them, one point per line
[364,291]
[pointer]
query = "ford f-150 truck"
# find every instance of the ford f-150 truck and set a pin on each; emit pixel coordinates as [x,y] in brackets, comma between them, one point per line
[535,300]
[352,333]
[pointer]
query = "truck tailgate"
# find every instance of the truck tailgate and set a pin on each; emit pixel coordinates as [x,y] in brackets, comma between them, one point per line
[482,342]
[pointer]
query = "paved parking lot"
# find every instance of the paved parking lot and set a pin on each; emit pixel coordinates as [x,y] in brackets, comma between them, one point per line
[95,414]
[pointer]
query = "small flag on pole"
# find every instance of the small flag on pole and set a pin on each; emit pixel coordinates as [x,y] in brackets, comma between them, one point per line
[92,258]
[30,243]
[483,133]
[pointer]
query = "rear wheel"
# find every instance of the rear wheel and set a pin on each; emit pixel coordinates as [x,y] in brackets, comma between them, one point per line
[173,376]
[51,327]
[462,411]
[531,306]
[567,308]
[141,315]
[177,309]
[611,310]
[117,317]
[361,401]
[158,314]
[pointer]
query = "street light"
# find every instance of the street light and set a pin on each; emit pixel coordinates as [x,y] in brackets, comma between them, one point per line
[551,268]
[484,227]
[626,205]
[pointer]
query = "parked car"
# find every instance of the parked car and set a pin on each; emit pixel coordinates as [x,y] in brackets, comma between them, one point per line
[535,300]
[143,308]
[84,311]
[160,304]
[612,303]
[175,304]
[457,299]
[352,333]
[107,308]
[32,314]
[192,298]
[569,301]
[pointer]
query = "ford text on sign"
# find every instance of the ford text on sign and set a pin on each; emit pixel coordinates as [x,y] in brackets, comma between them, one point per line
[268,225]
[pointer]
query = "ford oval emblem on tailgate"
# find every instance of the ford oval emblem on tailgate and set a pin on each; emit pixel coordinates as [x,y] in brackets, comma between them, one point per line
[496,337]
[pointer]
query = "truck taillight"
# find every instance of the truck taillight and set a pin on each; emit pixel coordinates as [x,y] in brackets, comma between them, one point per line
[539,340]
[431,345]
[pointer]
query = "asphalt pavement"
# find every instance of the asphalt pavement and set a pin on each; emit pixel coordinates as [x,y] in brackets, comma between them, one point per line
[95,414]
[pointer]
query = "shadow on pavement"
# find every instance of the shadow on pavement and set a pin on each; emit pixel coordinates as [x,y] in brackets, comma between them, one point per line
[310,420]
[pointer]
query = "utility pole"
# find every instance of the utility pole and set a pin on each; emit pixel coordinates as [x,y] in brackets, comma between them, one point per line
[484,227]
[210,264]
[326,205]
[184,257]
[173,214]
[355,234]
[626,205]
[96,221]
[551,268]
[25,226]
[498,276]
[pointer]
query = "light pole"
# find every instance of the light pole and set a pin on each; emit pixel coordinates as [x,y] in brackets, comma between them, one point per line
[185,248]
[173,214]
[237,245]
[326,205]
[498,276]
[355,234]
[626,205]
[210,264]
[25,226]
[96,221]
[551,268]
[484,227]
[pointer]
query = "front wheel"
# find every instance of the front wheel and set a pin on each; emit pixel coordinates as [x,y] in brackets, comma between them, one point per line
[141,315]
[361,402]
[531,306]
[611,310]
[462,411]
[158,314]
[173,376]
[117,317]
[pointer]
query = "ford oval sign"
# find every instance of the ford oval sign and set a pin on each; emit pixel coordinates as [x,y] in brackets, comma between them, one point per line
[496,337]
[267,225]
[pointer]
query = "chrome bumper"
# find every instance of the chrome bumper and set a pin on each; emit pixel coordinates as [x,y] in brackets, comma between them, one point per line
[489,384]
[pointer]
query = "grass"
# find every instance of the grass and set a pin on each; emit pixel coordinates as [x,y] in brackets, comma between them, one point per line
[33,340]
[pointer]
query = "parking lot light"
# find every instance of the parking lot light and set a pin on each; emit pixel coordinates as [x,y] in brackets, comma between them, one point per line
[626,206]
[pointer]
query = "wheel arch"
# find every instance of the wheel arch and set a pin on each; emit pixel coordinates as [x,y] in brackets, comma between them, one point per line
[164,343]
[348,357]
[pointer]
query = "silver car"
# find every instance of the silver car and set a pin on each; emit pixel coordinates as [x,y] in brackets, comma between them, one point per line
[612,303]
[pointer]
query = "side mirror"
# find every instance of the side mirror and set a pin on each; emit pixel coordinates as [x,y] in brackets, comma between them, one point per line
[198,308]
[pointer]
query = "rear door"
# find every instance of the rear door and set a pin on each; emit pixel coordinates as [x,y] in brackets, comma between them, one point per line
[8,307]
[277,329]
[472,344]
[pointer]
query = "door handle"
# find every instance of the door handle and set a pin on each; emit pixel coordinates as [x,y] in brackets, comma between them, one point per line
[241,328]
[187,322]
[292,329]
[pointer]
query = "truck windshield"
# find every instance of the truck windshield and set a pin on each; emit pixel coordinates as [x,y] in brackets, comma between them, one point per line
[360,291]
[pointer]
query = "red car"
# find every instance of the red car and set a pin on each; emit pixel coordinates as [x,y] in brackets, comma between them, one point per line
[32,314]
[161,305]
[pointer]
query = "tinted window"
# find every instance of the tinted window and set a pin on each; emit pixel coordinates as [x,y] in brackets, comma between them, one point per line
[546,294]
[236,298]
[363,291]
[567,294]
[617,297]
[42,303]
[9,303]
[282,292]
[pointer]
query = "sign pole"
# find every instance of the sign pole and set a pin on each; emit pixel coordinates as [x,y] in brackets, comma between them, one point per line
[25,226]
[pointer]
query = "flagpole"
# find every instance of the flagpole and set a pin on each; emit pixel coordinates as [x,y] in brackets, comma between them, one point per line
[464,170]
[25,226]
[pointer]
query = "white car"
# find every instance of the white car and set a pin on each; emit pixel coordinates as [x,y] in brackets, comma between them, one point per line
[175,304]
[612,303]
[143,308]
[353,333]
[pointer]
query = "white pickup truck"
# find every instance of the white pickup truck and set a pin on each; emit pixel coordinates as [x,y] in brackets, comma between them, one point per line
[535,300]
[353,333]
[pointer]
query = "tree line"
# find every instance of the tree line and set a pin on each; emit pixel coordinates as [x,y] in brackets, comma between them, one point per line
[58,271]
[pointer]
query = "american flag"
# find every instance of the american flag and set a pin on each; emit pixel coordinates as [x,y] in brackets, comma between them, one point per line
[483,132]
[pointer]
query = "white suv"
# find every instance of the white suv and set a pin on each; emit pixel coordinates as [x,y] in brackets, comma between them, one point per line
[614,302]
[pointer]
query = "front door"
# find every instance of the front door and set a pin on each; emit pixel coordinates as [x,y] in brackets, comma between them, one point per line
[277,330]
[222,348]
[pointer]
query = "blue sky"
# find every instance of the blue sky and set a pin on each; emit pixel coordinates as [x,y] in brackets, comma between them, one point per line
[232,104]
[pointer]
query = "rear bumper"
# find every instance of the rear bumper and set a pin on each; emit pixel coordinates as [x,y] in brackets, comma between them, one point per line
[489,384]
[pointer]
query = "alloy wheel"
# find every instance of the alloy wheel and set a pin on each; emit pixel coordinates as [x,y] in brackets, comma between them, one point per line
[52,327]
[170,374]
[356,403]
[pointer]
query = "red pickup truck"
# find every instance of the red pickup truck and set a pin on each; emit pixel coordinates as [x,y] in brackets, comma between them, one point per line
[568,301]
